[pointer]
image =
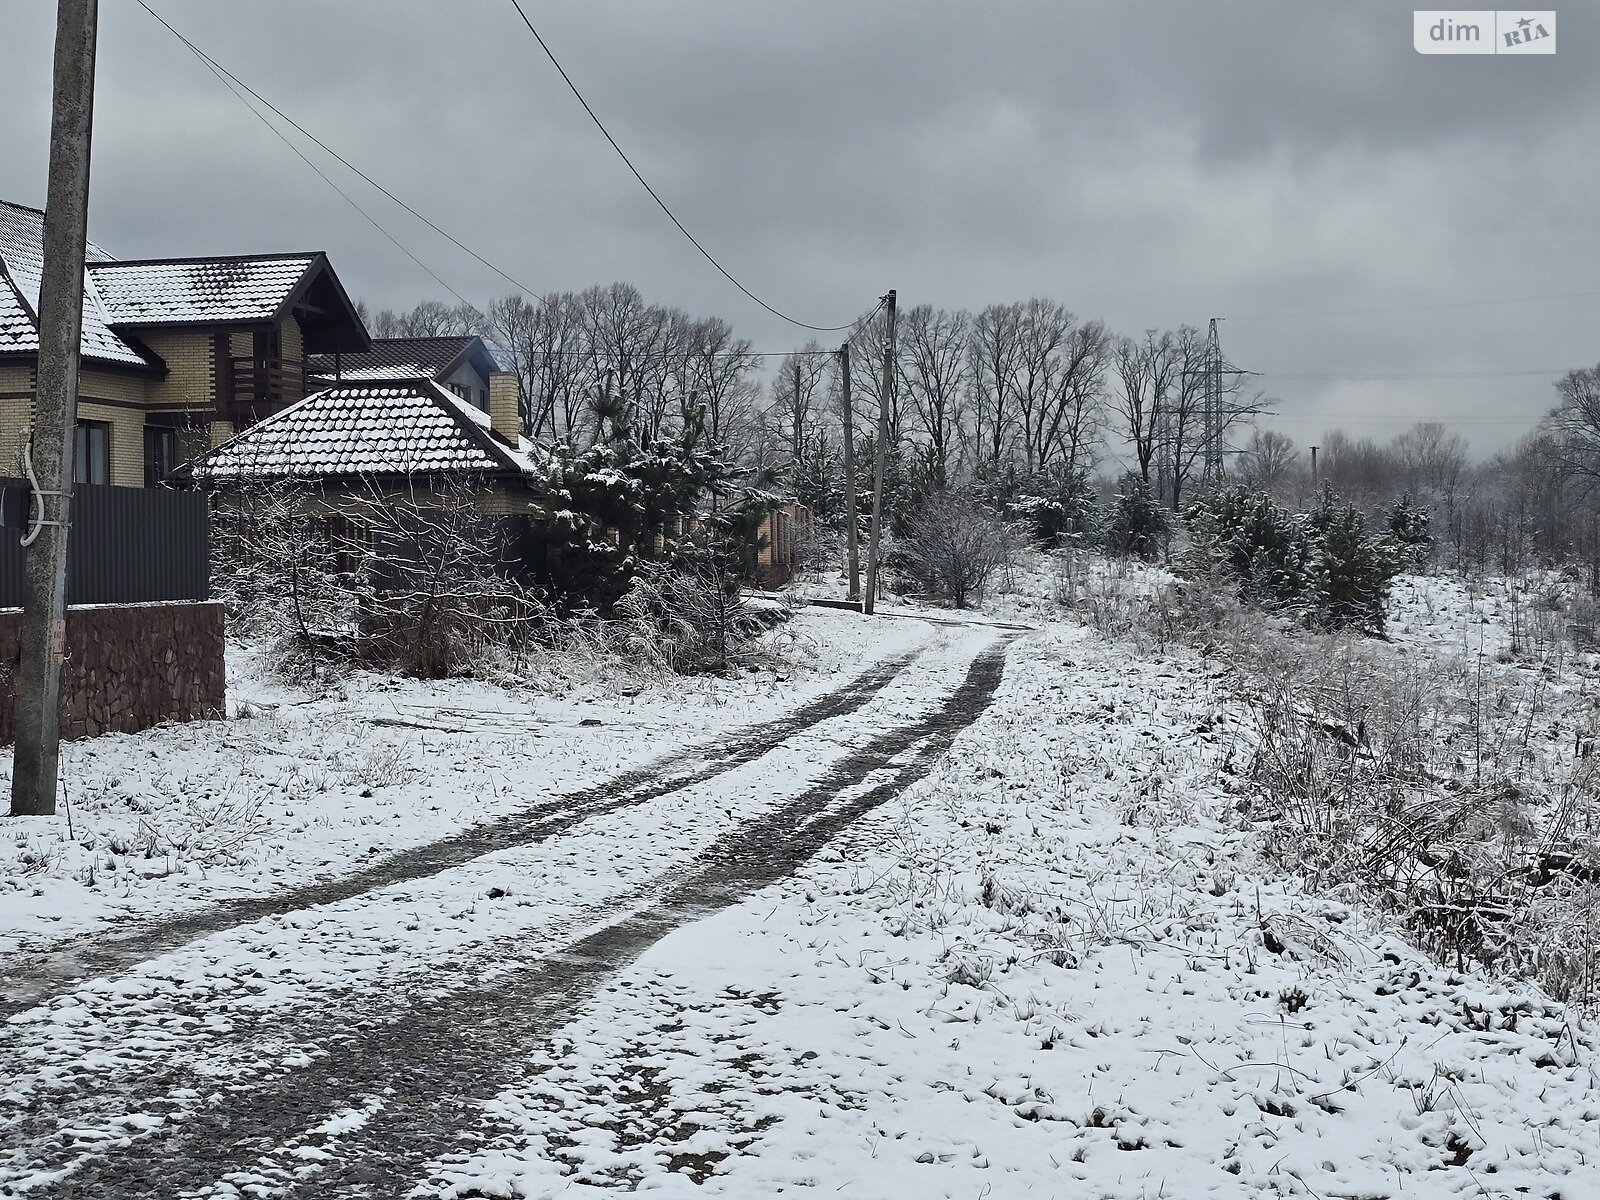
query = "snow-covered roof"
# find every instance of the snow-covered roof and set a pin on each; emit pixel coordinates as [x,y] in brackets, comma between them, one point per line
[122,297]
[21,269]
[369,428]
[193,290]
[399,358]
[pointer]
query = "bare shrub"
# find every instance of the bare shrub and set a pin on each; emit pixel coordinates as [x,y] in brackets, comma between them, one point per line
[1067,574]
[276,566]
[1583,620]
[380,766]
[419,581]
[953,546]
[684,617]
[1144,607]
[445,593]
[1113,601]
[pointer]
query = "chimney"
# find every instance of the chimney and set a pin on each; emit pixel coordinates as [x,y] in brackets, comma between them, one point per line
[504,417]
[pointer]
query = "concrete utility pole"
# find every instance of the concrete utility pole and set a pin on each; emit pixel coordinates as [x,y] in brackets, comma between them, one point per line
[852,549]
[66,229]
[885,398]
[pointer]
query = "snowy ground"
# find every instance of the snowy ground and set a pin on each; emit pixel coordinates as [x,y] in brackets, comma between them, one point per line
[280,991]
[1051,970]
[820,956]
[303,786]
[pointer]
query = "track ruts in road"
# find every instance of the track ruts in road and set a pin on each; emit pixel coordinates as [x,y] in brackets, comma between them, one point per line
[27,980]
[434,1063]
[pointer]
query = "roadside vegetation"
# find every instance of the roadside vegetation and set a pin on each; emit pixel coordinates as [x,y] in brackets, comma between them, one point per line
[1414,632]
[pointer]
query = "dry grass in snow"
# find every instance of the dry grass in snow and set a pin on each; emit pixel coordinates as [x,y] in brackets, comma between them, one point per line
[1058,969]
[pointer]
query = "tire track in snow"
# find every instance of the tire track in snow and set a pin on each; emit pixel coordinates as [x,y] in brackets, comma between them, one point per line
[30,979]
[420,1076]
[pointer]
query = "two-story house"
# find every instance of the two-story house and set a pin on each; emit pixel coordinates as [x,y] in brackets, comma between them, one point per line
[178,354]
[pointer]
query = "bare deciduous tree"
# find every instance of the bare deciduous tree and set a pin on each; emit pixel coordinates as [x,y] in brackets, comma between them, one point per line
[993,355]
[431,318]
[718,388]
[933,369]
[1574,428]
[1148,369]
[1431,458]
[1063,426]
[1269,460]
[800,394]
[954,547]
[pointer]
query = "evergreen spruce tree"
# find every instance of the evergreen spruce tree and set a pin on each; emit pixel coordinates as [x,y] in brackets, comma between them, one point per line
[1411,527]
[1352,567]
[1057,507]
[819,483]
[1239,531]
[1138,521]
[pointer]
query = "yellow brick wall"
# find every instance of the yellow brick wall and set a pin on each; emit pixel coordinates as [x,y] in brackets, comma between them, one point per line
[16,377]
[190,364]
[127,440]
[221,431]
[504,417]
[292,340]
[127,424]
[98,385]
[494,500]
[502,500]
[15,416]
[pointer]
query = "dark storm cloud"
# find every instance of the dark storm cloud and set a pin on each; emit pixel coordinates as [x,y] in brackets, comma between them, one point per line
[1151,163]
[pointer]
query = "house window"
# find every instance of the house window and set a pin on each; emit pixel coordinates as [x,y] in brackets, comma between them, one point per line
[92,452]
[160,453]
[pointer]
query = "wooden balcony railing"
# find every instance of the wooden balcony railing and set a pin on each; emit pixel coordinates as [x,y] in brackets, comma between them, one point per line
[255,388]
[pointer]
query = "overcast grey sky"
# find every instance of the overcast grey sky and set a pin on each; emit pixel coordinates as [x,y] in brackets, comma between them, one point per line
[1147,162]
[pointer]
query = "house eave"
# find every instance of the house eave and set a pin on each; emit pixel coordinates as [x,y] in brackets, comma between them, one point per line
[156,370]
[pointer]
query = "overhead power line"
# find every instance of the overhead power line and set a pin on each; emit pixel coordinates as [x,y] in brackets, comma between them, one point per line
[685,355]
[1405,308]
[348,199]
[662,204]
[1423,376]
[1446,419]
[238,86]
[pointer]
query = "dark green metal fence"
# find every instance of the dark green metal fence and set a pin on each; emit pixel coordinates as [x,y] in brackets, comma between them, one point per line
[128,545]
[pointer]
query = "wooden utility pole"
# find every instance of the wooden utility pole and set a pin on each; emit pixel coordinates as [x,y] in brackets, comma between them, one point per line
[797,430]
[66,229]
[880,454]
[851,517]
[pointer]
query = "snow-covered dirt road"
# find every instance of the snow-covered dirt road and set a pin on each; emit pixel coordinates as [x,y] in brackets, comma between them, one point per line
[1053,969]
[332,1037]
